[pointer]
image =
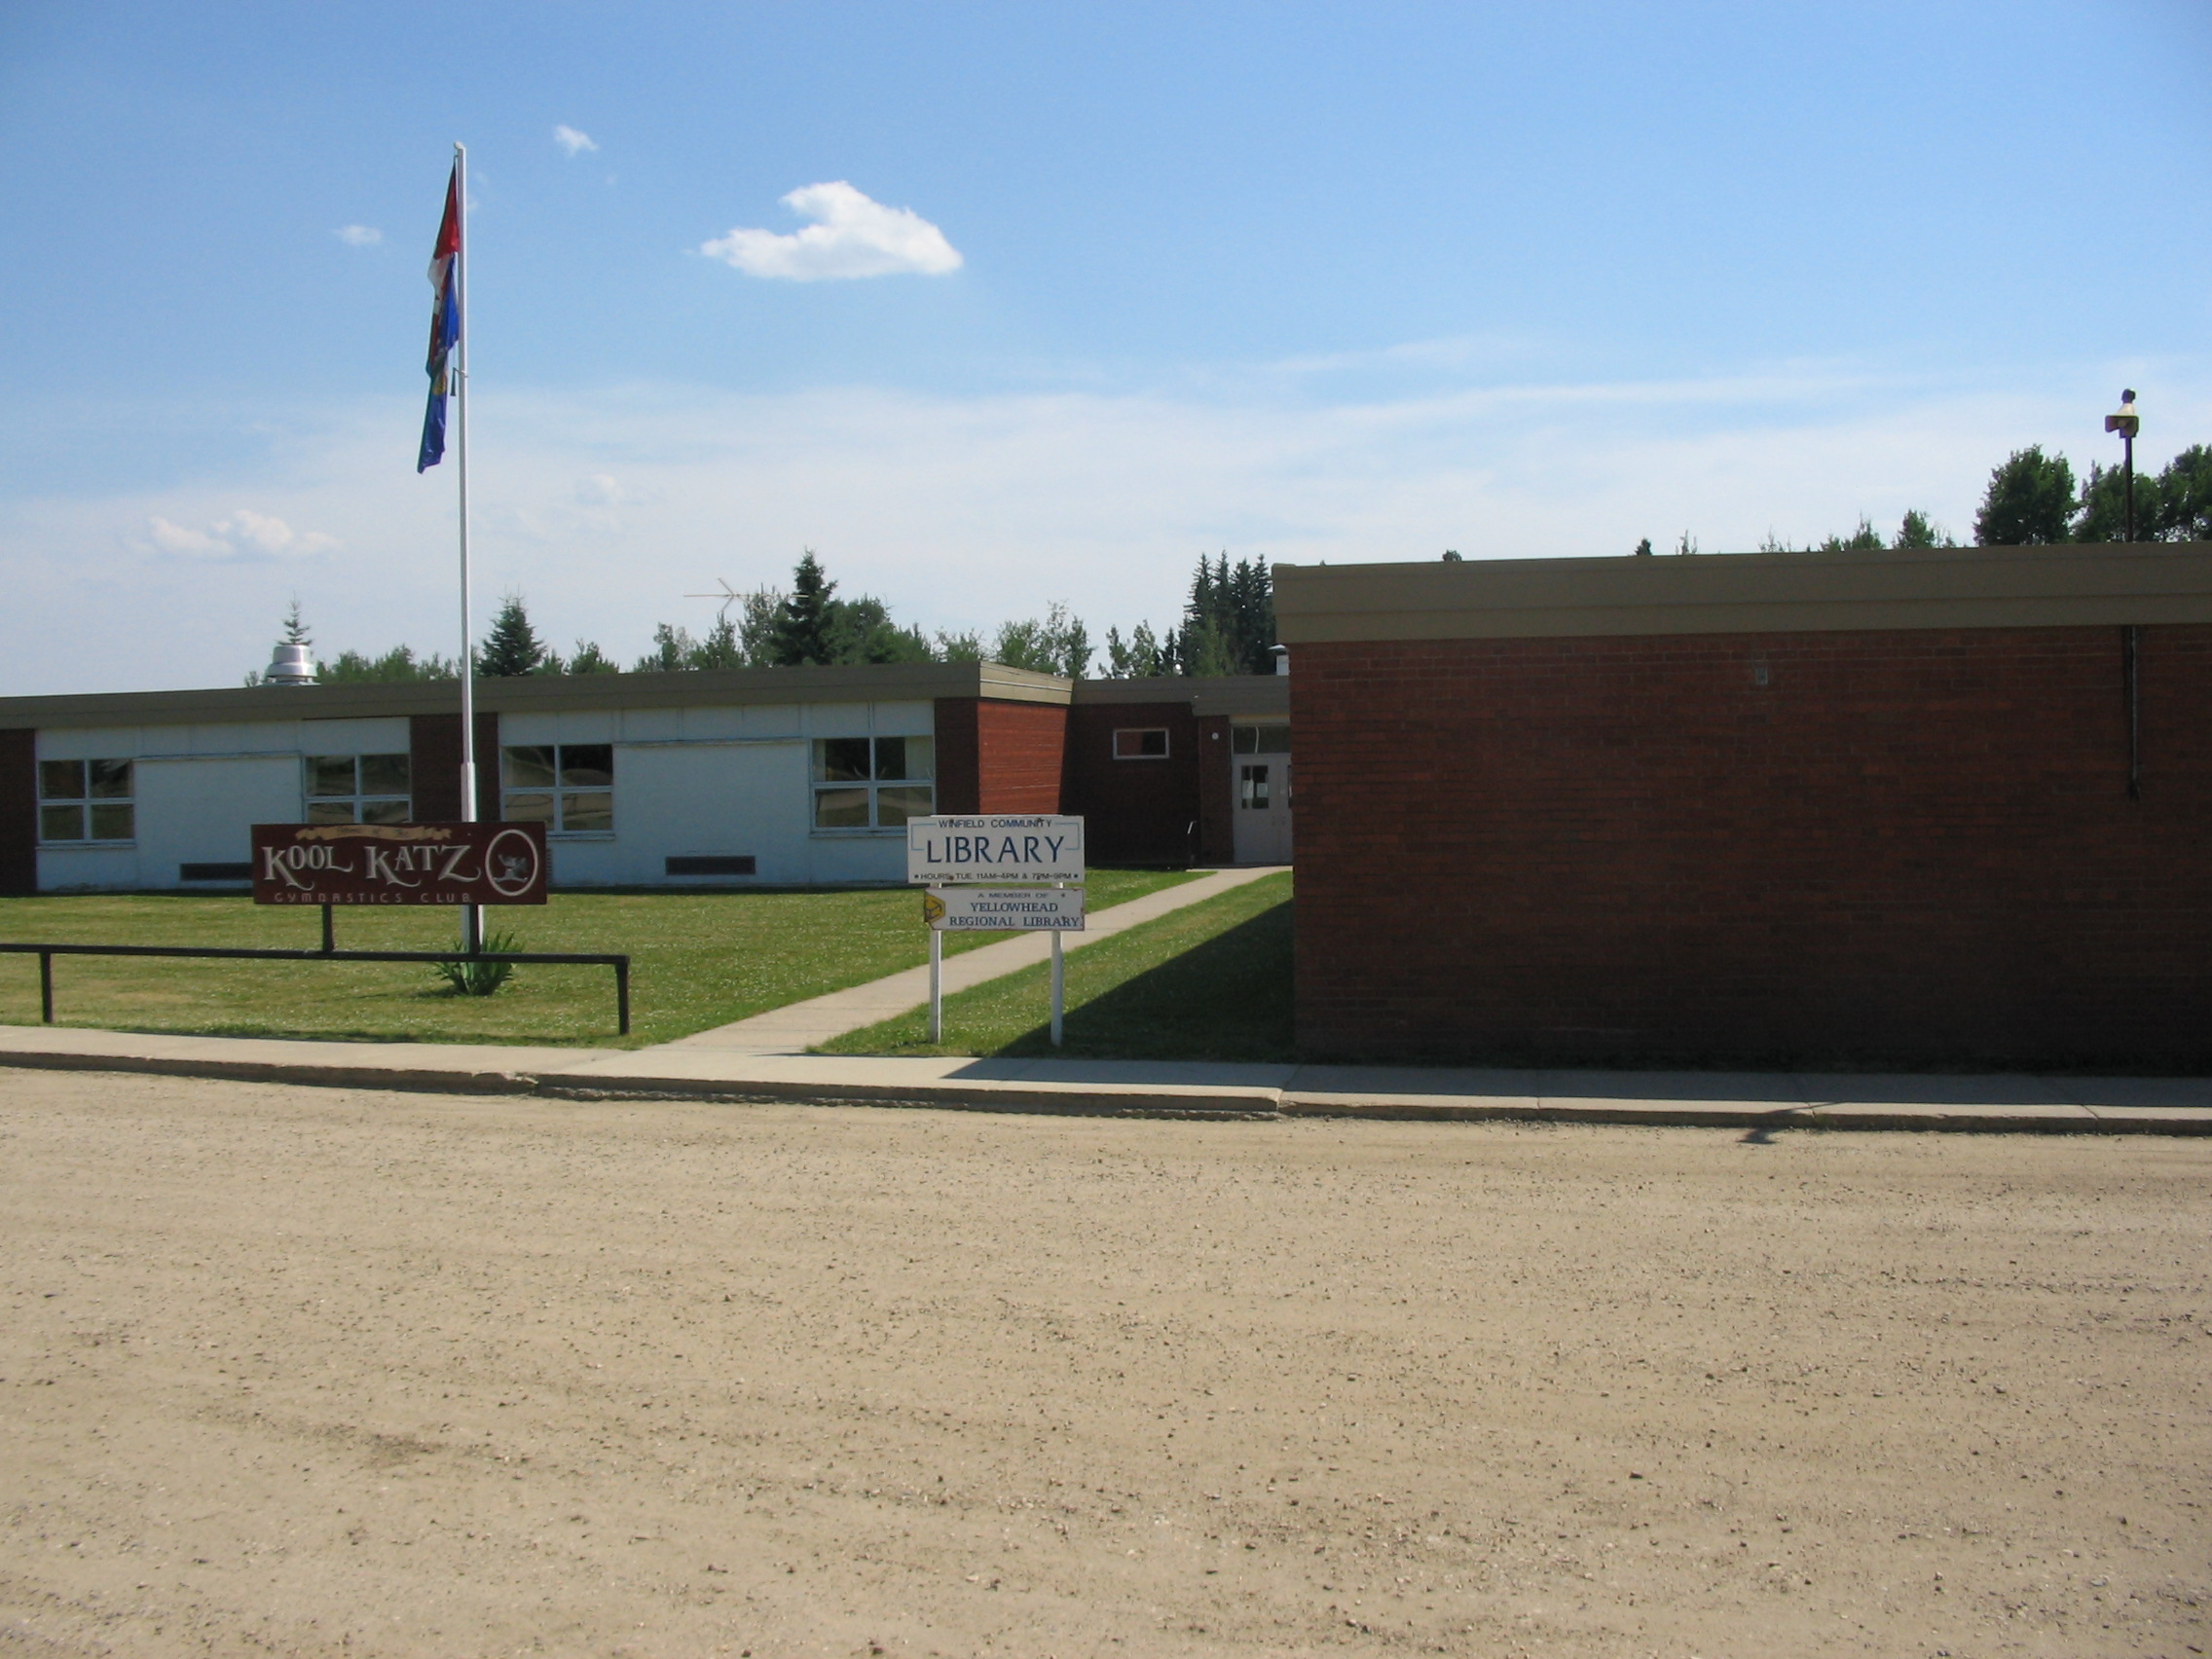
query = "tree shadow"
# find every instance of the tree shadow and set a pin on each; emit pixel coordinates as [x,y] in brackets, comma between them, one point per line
[1228,999]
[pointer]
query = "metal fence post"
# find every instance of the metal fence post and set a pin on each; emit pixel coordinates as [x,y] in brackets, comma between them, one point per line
[46,986]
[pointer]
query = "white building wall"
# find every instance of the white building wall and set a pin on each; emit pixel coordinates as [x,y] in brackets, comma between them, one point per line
[198,790]
[733,782]
[687,781]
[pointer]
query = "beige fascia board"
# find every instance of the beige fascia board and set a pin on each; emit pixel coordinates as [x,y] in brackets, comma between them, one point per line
[1744,593]
[1244,696]
[1158,688]
[872,682]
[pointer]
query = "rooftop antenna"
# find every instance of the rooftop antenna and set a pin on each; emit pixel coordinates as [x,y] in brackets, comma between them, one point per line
[729,596]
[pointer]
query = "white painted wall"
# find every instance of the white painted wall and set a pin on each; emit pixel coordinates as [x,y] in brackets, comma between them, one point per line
[728,781]
[702,780]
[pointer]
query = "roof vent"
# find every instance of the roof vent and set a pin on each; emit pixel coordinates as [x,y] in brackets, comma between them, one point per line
[292,664]
[1281,655]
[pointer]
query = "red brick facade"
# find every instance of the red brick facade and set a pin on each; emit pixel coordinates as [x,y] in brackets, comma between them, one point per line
[1138,811]
[995,756]
[18,810]
[433,765]
[1910,847]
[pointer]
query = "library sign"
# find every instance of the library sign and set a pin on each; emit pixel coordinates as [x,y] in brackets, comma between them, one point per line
[399,864]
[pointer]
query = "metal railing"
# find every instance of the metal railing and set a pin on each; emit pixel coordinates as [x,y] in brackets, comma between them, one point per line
[45,954]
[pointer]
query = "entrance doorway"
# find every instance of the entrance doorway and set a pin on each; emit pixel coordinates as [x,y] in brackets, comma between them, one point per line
[1260,780]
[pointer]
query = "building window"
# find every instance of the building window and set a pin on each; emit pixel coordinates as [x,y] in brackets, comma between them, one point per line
[1140,743]
[1259,739]
[359,789]
[84,800]
[872,782]
[567,786]
[1252,788]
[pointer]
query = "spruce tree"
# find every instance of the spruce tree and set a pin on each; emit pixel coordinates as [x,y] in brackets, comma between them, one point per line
[805,625]
[513,647]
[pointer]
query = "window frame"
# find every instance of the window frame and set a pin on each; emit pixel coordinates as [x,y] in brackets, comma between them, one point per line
[1167,743]
[873,787]
[359,798]
[86,802]
[560,793]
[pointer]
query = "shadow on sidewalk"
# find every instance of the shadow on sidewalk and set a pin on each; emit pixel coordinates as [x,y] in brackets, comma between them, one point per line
[1228,999]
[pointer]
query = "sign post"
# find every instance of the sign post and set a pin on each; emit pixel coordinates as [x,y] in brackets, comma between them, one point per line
[965,864]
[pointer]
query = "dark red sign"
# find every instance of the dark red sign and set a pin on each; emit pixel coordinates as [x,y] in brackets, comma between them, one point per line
[399,864]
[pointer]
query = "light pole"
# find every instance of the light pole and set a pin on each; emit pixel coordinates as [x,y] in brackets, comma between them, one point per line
[2126,424]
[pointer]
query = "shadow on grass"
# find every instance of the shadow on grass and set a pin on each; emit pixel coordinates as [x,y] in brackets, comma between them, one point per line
[1228,999]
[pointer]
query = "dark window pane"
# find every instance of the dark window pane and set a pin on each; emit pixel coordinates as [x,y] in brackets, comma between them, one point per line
[61,780]
[384,774]
[1142,744]
[112,822]
[1245,740]
[841,809]
[587,765]
[901,802]
[61,823]
[529,809]
[383,812]
[902,756]
[594,812]
[330,774]
[526,768]
[110,779]
[1272,739]
[1255,787]
[840,759]
[330,812]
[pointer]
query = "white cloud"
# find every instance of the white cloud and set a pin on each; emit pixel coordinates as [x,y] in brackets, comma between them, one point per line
[852,236]
[611,505]
[244,534]
[359,235]
[572,141]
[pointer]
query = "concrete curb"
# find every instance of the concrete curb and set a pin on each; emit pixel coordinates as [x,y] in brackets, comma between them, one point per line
[1211,1101]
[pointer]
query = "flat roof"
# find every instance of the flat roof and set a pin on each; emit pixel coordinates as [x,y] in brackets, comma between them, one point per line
[869,682]
[2076,585]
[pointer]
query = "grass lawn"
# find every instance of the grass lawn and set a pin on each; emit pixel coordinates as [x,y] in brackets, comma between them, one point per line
[697,960]
[1211,982]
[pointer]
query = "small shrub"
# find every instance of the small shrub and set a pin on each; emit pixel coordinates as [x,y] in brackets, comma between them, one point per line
[471,979]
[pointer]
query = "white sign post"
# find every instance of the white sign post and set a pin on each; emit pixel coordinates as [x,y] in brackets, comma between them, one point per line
[964,863]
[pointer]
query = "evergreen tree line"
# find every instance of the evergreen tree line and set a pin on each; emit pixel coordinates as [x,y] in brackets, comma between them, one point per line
[1228,627]
[2033,501]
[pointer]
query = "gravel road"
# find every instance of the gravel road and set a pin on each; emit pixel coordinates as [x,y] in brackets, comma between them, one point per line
[313,1372]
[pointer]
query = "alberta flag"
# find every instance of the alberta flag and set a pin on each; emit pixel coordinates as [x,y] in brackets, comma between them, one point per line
[445,324]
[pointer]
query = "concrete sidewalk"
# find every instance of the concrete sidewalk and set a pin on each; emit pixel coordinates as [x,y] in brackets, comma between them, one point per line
[799,1026]
[1754,1103]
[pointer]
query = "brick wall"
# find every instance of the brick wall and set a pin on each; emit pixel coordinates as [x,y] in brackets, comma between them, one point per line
[1022,749]
[1901,848]
[1217,791]
[1135,811]
[959,754]
[433,743]
[18,810]
[995,757]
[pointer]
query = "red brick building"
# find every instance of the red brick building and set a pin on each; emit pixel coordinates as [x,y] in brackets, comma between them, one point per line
[1939,808]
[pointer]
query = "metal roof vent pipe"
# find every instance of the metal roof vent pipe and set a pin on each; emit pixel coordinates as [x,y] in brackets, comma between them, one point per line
[1282,658]
[292,664]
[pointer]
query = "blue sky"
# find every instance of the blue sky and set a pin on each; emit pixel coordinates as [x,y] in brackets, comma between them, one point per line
[1293,281]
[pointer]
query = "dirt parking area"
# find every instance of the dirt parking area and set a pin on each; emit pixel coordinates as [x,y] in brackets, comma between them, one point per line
[310,1372]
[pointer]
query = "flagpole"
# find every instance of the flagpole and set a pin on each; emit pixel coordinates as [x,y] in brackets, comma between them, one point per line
[471,918]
